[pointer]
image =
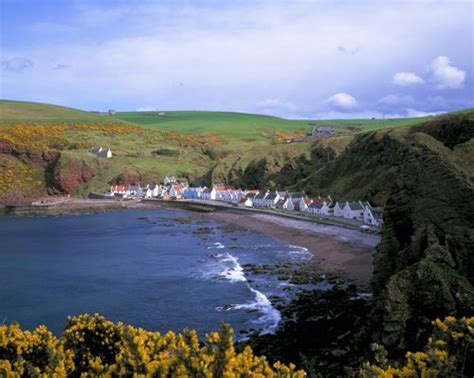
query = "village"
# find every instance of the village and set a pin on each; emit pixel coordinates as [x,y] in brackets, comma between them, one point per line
[356,213]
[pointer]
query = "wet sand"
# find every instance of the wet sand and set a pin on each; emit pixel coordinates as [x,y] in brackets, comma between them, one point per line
[335,248]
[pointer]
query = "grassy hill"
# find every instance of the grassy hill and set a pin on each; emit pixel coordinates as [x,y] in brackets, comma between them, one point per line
[187,144]
[20,111]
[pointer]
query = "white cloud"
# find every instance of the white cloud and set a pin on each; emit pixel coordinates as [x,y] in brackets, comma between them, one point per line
[405,79]
[413,113]
[445,75]
[262,56]
[396,100]
[342,101]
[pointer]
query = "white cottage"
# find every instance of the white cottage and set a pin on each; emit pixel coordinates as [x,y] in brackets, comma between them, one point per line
[271,199]
[353,210]
[338,210]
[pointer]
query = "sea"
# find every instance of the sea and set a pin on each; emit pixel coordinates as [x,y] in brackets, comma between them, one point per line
[158,269]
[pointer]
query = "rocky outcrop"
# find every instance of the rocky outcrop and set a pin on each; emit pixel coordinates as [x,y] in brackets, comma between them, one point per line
[40,158]
[70,173]
[130,176]
[424,266]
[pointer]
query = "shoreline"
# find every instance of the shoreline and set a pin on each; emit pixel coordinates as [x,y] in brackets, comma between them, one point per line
[334,247]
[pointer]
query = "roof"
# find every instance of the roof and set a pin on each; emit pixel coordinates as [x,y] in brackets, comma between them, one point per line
[260,196]
[118,188]
[316,206]
[271,196]
[355,206]
[250,196]
[280,204]
[296,195]
[207,191]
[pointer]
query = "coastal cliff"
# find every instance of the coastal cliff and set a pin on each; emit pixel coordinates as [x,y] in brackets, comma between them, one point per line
[424,265]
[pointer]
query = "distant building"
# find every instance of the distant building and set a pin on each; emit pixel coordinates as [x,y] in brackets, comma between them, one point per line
[111,112]
[321,132]
[101,151]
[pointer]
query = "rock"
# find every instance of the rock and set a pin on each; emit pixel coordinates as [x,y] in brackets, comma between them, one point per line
[71,173]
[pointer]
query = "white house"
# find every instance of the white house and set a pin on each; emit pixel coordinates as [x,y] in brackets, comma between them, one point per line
[102,151]
[168,180]
[176,191]
[304,203]
[135,191]
[353,210]
[119,190]
[245,202]
[259,200]
[209,194]
[156,191]
[148,192]
[318,208]
[373,215]
[271,199]
[338,210]
[292,202]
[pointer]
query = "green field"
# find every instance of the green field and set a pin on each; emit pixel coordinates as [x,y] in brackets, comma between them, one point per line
[234,127]
[20,111]
[236,139]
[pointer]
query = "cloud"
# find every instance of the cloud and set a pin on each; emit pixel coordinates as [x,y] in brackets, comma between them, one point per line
[393,100]
[146,109]
[62,66]
[413,113]
[342,101]
[348,51]
[444,75]
[17,64]
[405,79]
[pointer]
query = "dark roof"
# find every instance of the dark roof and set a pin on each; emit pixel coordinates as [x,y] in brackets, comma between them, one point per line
[250,196]
[316,205]
[260,196]
[295,195]
[280,203]
[355,206]
[207,191]
[271,196]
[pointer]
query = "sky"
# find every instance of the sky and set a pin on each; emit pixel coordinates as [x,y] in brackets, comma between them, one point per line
[294,59]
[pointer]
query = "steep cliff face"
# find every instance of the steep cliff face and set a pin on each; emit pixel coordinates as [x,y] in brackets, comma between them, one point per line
[70,173]
[424,175]
[424,266]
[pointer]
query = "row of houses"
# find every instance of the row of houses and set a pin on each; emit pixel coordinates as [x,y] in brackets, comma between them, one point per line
[290,201]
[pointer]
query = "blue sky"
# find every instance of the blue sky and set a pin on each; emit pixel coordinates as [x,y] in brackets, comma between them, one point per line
[298,59]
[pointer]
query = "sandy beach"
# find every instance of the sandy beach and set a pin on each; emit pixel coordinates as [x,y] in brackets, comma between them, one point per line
[335,248]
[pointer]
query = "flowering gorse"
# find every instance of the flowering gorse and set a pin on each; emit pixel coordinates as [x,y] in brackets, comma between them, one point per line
[95,346]
[446,354]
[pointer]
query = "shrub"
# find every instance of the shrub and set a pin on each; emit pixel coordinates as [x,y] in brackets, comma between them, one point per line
[93,345]
[166,152]
[449,352]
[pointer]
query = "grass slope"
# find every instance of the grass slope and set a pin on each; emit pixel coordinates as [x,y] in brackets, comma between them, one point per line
[20,111]
[228,125]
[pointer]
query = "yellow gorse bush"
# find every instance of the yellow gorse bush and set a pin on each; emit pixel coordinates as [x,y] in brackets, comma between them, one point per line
[444,355]
[95,346]
[40,137]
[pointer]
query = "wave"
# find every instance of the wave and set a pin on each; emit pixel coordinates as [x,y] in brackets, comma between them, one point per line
[217,245]
[270,318]
[300,252]
[234,272]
